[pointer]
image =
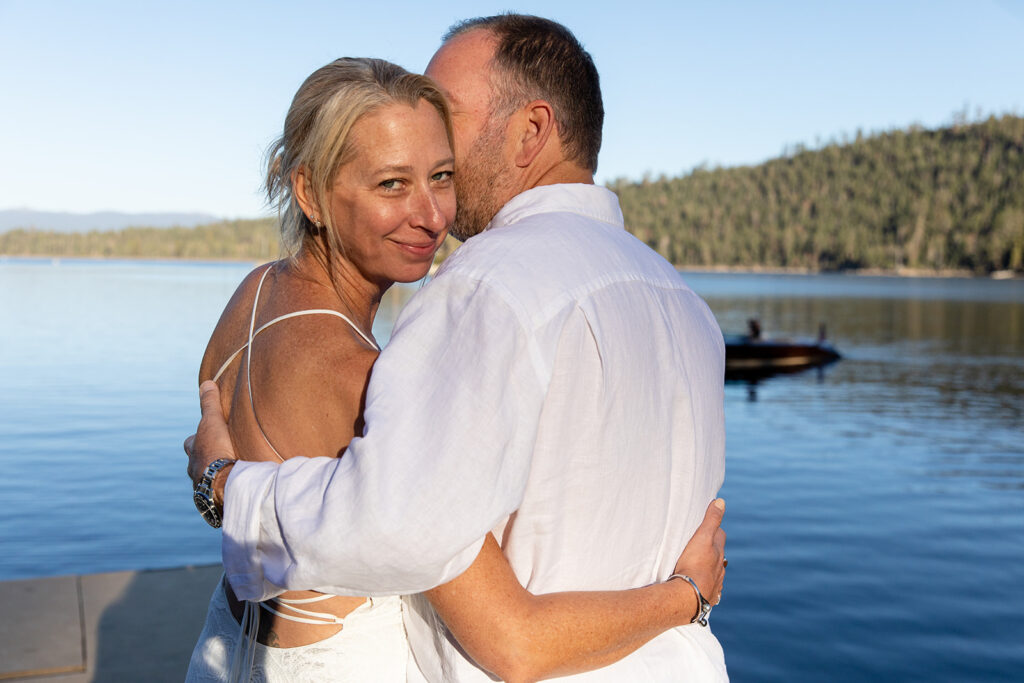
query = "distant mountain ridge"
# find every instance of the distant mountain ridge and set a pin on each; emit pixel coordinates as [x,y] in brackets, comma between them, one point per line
[53,221]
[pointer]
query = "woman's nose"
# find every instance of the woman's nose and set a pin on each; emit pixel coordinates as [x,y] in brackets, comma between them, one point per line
[428,212]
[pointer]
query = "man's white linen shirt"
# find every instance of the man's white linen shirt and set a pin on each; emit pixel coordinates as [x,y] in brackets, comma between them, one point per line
[556,383]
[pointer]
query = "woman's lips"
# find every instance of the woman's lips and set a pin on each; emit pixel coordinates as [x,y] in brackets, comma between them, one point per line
[418,249]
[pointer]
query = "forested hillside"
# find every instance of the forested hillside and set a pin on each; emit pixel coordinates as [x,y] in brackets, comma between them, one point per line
[946,199]
[951,198]
[239,239]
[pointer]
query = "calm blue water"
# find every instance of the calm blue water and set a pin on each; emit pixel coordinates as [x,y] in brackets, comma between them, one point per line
[875,510]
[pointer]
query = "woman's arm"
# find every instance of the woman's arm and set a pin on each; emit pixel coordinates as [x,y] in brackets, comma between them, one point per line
[519,636]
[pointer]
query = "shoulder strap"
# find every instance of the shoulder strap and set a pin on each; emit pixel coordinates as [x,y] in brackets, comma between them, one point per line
[252,335]
[248,363]
[294,314]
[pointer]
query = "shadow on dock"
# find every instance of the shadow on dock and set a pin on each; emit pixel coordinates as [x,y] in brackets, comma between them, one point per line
[118,626]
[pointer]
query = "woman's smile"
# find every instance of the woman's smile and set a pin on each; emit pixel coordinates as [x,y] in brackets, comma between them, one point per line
[392,202]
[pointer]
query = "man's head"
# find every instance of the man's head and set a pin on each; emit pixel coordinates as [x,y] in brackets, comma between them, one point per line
[526,107]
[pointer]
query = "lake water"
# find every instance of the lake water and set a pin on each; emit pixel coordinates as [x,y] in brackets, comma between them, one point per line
[875,509]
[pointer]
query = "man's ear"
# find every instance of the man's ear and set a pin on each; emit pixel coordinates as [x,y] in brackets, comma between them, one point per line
[538,119]
[303,193]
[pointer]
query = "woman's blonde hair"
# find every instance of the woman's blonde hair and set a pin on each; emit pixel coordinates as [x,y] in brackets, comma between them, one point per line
[316,140]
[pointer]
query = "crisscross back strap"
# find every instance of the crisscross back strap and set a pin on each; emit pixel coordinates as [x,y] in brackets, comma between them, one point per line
[252,335]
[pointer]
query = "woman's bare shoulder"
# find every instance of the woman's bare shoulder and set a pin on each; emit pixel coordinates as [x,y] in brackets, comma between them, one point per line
[315,365]
[229,332]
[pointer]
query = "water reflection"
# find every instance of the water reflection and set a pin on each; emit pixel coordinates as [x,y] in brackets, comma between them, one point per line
[936,379]
[751,379]
[956,326]
[893,474]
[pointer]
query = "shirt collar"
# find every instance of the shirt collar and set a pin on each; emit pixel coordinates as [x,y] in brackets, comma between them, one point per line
[592,201]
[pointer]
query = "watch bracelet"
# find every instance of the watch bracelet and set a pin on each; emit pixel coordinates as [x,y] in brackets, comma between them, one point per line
[203,492]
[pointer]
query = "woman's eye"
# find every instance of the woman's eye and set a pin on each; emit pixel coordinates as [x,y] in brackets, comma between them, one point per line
[442,176]
[390,184]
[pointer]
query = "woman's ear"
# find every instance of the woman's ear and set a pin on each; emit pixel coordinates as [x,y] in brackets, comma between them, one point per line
[303,193]
[538,122]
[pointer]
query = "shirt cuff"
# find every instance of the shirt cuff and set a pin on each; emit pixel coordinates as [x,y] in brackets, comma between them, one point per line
[248,485]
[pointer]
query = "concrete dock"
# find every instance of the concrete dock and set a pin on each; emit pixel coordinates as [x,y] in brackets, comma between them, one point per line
[120,626]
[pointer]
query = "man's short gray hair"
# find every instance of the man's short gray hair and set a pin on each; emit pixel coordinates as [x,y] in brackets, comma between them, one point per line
[537,58]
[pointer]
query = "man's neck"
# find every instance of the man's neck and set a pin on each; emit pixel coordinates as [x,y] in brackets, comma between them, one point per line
[561,173]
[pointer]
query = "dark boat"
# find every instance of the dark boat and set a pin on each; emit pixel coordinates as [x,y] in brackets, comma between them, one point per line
[751,355]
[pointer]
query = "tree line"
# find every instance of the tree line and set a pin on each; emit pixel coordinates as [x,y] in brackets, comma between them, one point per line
[948,198]
[255,240]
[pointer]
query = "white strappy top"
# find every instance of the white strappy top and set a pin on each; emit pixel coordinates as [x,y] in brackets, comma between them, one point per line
[253,332]
[309,617]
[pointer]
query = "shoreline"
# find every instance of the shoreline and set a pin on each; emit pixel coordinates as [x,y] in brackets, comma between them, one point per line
[944,273]
[947,273]
[129,259]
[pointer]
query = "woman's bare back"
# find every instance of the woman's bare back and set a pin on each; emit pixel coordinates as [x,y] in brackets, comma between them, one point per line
[312,368]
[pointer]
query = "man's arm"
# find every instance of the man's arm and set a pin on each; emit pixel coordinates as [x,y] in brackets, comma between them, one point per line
[451,417]
[519,636]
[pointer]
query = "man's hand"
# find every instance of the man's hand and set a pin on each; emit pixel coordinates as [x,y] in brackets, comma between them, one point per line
[703,558]
[211,440]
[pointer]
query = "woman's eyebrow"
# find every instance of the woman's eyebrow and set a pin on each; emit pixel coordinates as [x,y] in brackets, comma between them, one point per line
[393,169]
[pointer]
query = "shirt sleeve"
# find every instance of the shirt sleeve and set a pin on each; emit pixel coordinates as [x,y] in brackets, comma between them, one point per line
[451,417]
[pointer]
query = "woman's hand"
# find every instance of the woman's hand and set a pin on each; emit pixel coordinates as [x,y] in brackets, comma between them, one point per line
[703,558]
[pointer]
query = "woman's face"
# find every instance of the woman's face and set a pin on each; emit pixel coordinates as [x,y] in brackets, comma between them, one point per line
[392,202]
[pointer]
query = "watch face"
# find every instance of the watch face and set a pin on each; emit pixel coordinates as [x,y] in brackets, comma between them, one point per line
[206,509]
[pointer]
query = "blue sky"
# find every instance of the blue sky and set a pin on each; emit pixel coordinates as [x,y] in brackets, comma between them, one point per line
[136,106]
